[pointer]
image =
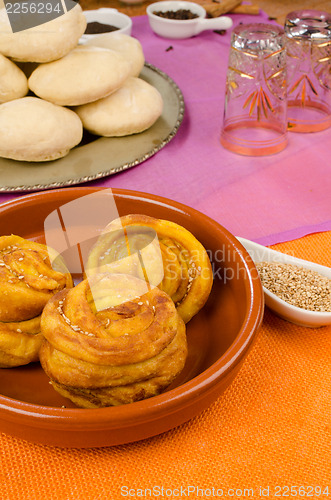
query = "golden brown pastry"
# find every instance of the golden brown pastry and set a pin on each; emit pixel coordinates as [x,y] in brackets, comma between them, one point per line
[111,340]
[164,253]
[27,281]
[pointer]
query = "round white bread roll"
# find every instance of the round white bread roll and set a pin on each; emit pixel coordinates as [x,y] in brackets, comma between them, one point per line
[45,42]
[129,47]
[35,130]
[130,110]
[84,75]
[13,82]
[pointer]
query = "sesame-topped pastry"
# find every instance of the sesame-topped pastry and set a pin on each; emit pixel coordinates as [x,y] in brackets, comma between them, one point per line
[111,340]
[27,281]
[160,251]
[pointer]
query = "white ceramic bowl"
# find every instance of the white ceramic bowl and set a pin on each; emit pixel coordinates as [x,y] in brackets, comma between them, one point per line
[302,317]
[174,28]
[108,16]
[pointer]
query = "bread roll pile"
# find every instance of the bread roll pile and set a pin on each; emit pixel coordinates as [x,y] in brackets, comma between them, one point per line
[44,106]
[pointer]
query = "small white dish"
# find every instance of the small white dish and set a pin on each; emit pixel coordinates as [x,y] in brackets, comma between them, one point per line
[107,16]
[175,28]
[294,314]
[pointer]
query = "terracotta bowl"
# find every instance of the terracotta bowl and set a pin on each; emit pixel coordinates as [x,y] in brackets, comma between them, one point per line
[219,337]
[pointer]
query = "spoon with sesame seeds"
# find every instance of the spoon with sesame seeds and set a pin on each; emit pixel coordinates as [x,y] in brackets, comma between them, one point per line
[297,290]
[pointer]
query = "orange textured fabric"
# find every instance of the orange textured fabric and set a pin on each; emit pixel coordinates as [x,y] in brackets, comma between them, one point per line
[270,429]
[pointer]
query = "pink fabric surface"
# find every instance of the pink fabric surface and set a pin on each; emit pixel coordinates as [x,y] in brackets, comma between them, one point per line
[267,199]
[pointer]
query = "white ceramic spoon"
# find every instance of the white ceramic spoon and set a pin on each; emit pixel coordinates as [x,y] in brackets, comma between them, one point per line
[176,28]
[286,311]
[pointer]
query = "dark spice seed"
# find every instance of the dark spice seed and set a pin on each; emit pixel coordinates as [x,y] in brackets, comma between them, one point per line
[95,27]
[181,14]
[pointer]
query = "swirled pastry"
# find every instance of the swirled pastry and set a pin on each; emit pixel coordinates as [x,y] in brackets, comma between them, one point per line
[27,281]
[162,252]
[111,340]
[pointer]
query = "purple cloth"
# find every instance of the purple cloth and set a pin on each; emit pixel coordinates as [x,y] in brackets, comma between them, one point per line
[266,199]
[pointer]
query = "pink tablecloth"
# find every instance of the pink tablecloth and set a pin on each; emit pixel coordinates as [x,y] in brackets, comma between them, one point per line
[269,199]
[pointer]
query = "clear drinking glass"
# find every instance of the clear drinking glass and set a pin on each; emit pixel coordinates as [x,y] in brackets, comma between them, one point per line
[308,47]
[255,111]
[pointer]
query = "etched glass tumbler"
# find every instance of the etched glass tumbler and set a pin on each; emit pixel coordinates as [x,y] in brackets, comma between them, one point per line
[255,110]
[308,47]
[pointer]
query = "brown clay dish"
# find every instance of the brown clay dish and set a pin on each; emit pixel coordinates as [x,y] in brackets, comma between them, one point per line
[219,337]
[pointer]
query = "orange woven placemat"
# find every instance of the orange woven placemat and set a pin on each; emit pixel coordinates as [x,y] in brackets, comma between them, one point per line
[270,431]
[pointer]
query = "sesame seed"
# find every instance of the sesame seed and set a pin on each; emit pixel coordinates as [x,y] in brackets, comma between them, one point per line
[296,285]
[75,328]
[19,330]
